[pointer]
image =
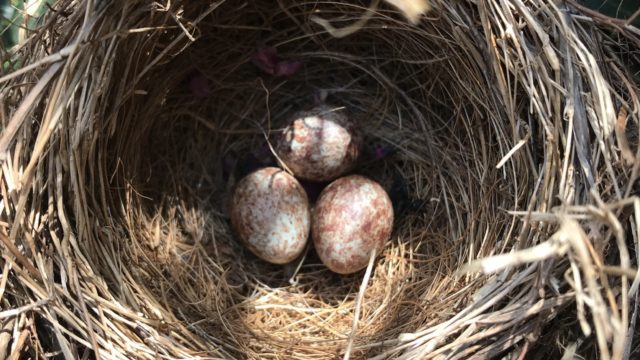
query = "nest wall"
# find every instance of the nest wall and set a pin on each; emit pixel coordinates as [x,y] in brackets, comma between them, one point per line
[504,132]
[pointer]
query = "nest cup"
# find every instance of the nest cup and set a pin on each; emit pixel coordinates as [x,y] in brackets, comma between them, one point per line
[496,127]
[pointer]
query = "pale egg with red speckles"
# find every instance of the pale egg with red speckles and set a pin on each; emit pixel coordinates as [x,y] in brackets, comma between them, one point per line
[270,215]
[320,144]
[352,217]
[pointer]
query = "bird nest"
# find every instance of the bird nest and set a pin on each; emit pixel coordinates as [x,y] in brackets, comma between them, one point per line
[505,133]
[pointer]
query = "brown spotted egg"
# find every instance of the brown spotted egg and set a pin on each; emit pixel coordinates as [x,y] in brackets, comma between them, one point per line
[320,144]
[352,217]
[270,214]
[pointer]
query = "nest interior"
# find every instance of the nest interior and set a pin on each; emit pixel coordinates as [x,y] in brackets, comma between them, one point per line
[494,127]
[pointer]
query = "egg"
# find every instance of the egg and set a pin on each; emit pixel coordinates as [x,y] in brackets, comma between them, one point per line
[320,144]
[352,217]
[270,215]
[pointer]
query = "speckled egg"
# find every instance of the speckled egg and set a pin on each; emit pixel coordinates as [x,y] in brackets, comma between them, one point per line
[270,215]
[352,217]
[320,144]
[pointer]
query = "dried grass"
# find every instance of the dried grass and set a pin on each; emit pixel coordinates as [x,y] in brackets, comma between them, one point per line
[513,127]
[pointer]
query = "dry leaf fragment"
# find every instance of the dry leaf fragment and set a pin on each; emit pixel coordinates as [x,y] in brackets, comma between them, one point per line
[412,9]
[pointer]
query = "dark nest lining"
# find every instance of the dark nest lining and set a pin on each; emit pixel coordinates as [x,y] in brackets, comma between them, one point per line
[496,128]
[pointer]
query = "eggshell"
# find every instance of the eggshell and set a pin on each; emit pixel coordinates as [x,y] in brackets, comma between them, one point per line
[270,214]
[320,144]
[352,217]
